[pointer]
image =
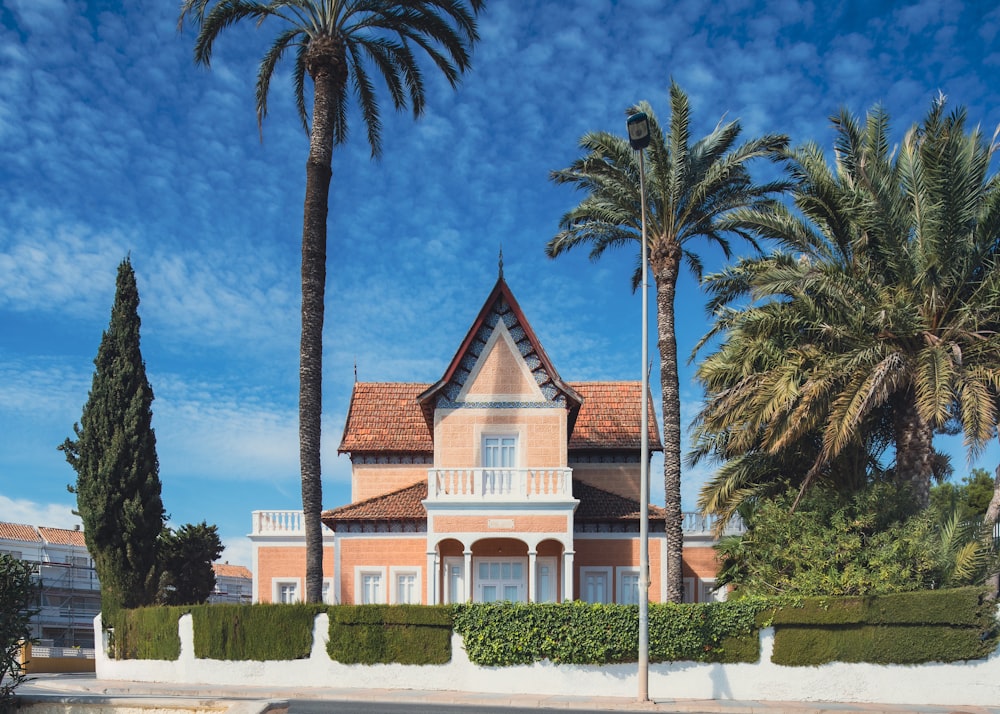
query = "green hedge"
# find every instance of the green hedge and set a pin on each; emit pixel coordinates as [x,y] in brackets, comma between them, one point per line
[906,628]
[254,632]
[146,633]
[404,634]
[503,634]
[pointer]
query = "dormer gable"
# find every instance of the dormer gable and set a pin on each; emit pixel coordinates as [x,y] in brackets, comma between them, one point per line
[500,361]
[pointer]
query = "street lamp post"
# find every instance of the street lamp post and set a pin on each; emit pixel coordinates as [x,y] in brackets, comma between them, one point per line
[638,137]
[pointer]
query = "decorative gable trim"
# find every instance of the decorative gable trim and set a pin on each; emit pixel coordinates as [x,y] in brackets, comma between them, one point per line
[500,308]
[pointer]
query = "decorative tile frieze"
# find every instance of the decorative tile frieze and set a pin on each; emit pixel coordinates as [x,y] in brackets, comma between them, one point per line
[392,459]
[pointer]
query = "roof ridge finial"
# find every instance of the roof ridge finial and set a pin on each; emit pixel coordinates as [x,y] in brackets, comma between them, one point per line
[500,262]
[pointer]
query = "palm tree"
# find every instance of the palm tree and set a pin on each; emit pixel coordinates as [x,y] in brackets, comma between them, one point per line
[691,187]
[338,44]
[884,295]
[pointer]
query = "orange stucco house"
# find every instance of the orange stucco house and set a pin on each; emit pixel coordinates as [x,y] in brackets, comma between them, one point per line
[498,482]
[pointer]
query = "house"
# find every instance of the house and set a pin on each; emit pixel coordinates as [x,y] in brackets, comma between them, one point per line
[70,594]
[233,584]
[500,481]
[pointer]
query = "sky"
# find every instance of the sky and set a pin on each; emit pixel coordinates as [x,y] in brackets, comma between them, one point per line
[113,143]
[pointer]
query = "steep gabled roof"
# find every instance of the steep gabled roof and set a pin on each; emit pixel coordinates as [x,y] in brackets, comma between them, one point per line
[386,417]
[610,417]
[500,306]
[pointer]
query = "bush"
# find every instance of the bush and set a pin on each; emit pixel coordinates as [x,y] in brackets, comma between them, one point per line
[404,634]
[504,634]
[18,597]
[254,632]
[145,633]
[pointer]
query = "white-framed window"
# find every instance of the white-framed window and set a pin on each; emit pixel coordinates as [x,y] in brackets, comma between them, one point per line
[328,595]
[710,594]
[454,580]
[286,590]
[369,585]
[405,586]
[500,579]
[500,451]
[545,579]
[628,586]
[595,584]
[690,589]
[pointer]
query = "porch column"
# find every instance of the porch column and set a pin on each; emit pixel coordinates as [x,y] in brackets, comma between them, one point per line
[335,586]
[532,554]
[567,593]
[433,573]
[468,575]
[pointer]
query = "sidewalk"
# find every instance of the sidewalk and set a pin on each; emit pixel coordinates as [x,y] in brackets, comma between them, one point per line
[135,695]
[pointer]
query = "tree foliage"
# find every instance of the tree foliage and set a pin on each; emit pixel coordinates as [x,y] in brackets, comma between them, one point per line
[873,323]
[692,185]
[863,544]
[186,556]
[114,456]
[339,44]
[18,601]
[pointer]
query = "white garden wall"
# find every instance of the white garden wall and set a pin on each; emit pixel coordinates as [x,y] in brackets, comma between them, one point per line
[963,683]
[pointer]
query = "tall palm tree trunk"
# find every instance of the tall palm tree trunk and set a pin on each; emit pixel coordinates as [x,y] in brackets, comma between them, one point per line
[666,267]
[914,449]
[323,67]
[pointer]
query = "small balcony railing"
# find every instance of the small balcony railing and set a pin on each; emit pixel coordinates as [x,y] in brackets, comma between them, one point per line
[500,484]
[273,522]
[697,523]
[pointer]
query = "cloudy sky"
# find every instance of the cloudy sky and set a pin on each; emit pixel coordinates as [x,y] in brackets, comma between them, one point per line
[112,143]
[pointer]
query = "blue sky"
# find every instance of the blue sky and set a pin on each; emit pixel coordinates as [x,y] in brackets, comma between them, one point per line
[113,142]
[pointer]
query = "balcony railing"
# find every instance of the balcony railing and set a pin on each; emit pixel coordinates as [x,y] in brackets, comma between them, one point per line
[274,522]
[499,484]
[696,523]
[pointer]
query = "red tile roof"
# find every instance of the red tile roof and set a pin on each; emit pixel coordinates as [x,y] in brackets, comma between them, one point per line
[402,505]
[599,505]
[225,570]
[386,417]
[610,417]
[18,531]
[596,505]
[62,536]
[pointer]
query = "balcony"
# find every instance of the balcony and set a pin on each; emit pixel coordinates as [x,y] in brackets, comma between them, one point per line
[278,523]
[500,484]
[703,524]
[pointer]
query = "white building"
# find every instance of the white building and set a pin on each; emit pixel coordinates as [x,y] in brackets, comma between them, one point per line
[70,591]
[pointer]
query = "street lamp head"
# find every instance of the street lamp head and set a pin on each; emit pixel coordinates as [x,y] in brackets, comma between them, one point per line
[638,131]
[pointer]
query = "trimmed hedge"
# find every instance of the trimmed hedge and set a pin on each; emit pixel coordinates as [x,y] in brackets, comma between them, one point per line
[381,634]
[504,634]
[906,628]
[254,632]
[146,633]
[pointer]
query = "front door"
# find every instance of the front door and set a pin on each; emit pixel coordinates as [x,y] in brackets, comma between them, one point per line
[501,579]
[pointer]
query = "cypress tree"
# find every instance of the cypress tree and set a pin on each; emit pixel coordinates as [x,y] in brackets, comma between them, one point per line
[114,455]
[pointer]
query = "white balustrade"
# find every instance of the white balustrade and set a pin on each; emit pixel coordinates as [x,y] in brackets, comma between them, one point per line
[289,522]
[494,484]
